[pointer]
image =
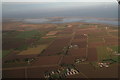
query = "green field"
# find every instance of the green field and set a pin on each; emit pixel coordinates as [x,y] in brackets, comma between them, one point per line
[5,53]
[116,58]
[27,34]
[114,33]
[115,48]
[24,34]
[103,53]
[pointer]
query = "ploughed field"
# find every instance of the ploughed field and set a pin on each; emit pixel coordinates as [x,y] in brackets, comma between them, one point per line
[32,50]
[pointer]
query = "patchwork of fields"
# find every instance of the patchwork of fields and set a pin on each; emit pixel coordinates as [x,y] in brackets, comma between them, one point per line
[30,53]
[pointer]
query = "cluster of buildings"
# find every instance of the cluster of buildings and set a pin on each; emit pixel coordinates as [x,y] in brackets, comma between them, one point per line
[103,64]
[77,61]
[71,71]
[61,73]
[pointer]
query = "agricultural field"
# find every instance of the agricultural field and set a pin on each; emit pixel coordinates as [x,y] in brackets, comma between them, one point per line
[55,49]
[103,53]
[47,61]
[92,55]
[79,52]
[16,73]
[35,50]
[5,53]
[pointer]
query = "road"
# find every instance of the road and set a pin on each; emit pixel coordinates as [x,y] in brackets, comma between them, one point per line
[73,34]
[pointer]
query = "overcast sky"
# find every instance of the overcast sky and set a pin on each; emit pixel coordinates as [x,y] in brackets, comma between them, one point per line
[61,9]
[59,0]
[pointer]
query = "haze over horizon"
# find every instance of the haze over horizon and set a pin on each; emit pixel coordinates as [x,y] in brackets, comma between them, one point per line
[61,9]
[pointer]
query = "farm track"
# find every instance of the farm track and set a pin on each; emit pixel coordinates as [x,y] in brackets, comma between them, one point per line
[89,51]
[73,34]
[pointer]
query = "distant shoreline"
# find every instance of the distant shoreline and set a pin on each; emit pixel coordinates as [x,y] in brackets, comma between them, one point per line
[109,21]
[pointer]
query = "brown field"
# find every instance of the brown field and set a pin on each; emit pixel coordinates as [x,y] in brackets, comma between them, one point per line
[81,44]
[69,59]
[26,27]
[47,60]
[10,25]
[14,73]
[57,46]
[36,50]
[92,54]
[80,36]
[88,31]
[95,44]
[81,52]
[80,76]
[10,43]
[91,72]
[66,31]
[30,72]
[78,40]
[39,72]
[86,71]
[49,37]
[14,56]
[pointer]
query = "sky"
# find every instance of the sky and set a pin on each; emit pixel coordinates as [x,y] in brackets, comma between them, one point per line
[59,9]
[59,0]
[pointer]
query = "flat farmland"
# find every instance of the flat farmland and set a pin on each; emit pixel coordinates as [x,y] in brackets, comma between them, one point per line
[36,50]
[111,40]
[13,73]
[95,44]
[83,31]
[51,33]
[27,34]
[114,33]
[69,59]
[66,31]
[80,36]
[77,76]
[57,46]
[90,72]
[92,55]
[14,56]
[81,44]
[95,39]
[14,60]
[31,50]
[115,48]
[88,31]
[46,60]
[11,43]
[5,53]
[103,53]
[24,26]
[112,43]
[97,34]
[78,40]
[39,71]
[80,52]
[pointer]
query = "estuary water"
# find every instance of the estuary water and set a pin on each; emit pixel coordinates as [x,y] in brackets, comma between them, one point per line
[68,20]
